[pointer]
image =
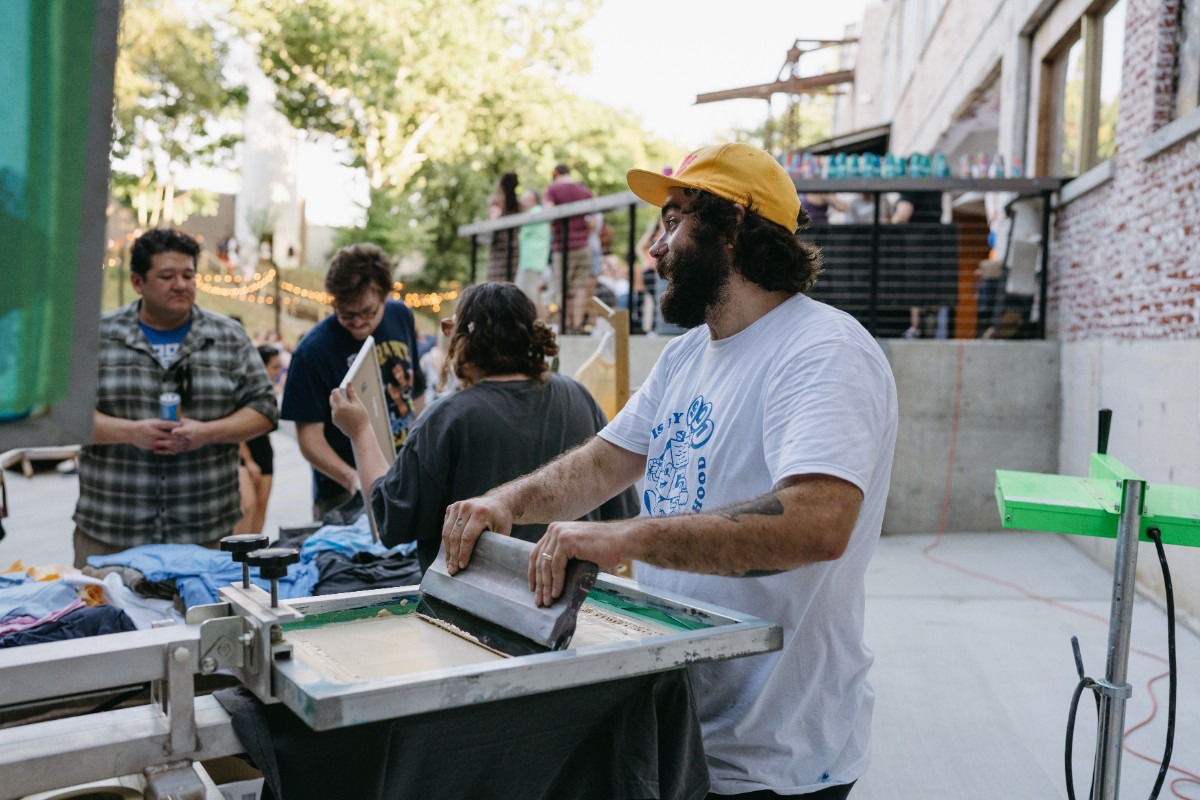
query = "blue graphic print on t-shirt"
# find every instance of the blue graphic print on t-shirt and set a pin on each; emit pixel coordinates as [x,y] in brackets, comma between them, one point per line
[667,490]
[165,344]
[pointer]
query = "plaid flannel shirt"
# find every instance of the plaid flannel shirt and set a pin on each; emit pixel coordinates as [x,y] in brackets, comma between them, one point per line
[129,496]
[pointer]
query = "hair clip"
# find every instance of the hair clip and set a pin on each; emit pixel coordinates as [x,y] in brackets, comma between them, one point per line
[470,327]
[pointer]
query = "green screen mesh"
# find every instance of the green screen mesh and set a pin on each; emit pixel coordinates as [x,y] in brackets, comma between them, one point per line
[46,49]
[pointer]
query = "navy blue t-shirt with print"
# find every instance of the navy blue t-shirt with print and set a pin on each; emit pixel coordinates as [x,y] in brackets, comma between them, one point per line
[322,359]
[165,344]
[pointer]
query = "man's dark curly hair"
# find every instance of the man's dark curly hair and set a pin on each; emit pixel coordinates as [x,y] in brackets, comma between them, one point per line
[765,253]
[496,330]
[160,240]
[356,268]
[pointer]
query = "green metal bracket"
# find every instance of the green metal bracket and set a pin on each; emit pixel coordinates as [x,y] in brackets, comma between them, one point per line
[1091,506]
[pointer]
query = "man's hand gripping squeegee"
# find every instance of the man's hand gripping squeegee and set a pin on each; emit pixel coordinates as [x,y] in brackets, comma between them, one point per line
[490,602]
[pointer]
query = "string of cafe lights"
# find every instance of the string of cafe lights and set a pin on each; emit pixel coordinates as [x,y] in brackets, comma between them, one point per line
[297,295]
[247,289]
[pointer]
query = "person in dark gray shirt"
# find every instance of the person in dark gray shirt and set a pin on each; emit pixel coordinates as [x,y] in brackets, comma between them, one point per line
[511,417]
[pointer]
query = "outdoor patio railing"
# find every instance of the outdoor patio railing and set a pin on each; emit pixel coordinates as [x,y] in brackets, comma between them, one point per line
[878,272]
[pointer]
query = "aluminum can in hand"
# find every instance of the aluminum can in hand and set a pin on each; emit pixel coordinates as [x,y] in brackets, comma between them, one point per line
[168,406]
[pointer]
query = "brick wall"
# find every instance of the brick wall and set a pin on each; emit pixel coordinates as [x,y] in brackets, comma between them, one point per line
[1125,262]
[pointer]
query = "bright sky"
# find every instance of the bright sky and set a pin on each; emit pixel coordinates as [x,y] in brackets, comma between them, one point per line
[653,58]
[648,57]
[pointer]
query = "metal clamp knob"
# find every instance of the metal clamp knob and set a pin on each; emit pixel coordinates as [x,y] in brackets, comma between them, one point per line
[272,563]
[241,545]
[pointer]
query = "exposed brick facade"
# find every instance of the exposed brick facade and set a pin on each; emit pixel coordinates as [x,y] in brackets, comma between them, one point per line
[1125,258]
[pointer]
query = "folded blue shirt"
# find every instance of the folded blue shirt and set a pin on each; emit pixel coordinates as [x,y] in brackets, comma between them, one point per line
[34,599]
[198,571]
[350,539]
[14,579]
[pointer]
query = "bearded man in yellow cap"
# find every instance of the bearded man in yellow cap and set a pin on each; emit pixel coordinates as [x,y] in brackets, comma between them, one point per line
[764,440]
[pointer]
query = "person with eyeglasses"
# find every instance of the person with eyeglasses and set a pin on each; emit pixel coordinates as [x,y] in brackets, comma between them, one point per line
[360,282]
[148,480]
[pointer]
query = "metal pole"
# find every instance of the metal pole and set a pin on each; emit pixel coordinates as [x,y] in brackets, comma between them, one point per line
[873,299]
[1043,283]
[508,255]
[634,303]
[1114,691]
[474,255]
[565,230]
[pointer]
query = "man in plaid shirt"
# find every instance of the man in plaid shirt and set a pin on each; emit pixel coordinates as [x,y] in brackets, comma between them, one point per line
[148,480]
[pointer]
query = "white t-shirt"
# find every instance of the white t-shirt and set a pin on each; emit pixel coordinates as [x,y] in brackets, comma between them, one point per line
[803,390]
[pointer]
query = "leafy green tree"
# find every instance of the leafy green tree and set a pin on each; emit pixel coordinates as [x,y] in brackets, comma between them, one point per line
[174,107]
[401,79]
[389,224]
[543,127]
[437,98]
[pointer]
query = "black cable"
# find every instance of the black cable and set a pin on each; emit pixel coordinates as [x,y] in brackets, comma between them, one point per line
[1084,683]
[113,702]
[1155,535]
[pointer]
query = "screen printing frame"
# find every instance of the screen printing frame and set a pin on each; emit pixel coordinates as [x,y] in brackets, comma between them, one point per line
[364,376]
[326,705]
[368,385]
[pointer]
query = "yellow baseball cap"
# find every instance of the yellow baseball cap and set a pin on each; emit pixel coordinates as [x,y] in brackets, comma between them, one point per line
[737,172]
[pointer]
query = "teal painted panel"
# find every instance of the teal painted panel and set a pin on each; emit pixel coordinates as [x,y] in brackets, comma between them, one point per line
[46,64]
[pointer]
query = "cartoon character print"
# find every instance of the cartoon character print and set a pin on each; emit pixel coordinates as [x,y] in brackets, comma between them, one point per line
[666,476]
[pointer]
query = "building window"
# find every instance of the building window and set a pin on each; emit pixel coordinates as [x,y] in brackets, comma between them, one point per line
[1081,89]
[1187,94]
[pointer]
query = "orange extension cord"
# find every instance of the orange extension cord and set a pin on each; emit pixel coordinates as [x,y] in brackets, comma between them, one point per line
[1177,783]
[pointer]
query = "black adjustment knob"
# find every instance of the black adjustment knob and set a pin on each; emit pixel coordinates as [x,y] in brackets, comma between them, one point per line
[1105,425]
[243,543]
[239,546]
[272,563]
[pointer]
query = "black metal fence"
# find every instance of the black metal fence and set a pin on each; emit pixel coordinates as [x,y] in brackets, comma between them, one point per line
[892,278]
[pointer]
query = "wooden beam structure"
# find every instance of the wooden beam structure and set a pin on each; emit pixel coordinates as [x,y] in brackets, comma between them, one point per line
[814,84]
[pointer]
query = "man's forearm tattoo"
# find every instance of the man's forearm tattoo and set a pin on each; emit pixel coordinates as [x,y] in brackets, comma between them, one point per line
[769,505]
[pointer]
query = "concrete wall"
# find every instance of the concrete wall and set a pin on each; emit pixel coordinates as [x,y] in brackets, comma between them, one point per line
[1153,389]
[1007,395]
[931,71]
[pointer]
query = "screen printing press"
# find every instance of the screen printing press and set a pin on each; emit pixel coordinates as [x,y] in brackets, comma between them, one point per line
[465,667]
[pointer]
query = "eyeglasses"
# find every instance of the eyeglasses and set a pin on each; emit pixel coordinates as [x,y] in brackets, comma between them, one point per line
[350,316]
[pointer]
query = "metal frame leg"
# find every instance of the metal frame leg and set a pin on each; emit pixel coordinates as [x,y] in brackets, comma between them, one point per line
[1114,690]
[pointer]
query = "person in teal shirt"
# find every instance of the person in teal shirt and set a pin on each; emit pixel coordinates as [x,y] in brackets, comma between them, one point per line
[534,255]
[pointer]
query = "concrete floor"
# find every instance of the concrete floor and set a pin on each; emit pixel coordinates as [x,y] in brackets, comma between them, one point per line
[973,672]
[974,677]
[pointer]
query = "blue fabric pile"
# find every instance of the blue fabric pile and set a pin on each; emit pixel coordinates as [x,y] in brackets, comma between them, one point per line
[198,571]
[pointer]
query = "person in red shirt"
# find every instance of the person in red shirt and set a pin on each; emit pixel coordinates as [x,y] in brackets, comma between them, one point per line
[577,262]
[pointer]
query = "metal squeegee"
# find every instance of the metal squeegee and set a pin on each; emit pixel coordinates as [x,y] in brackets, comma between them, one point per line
[490,601]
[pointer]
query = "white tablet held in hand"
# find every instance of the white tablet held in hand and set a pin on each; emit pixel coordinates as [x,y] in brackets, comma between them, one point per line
[368,387]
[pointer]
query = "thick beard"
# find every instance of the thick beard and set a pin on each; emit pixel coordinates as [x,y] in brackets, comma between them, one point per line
[696,276]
